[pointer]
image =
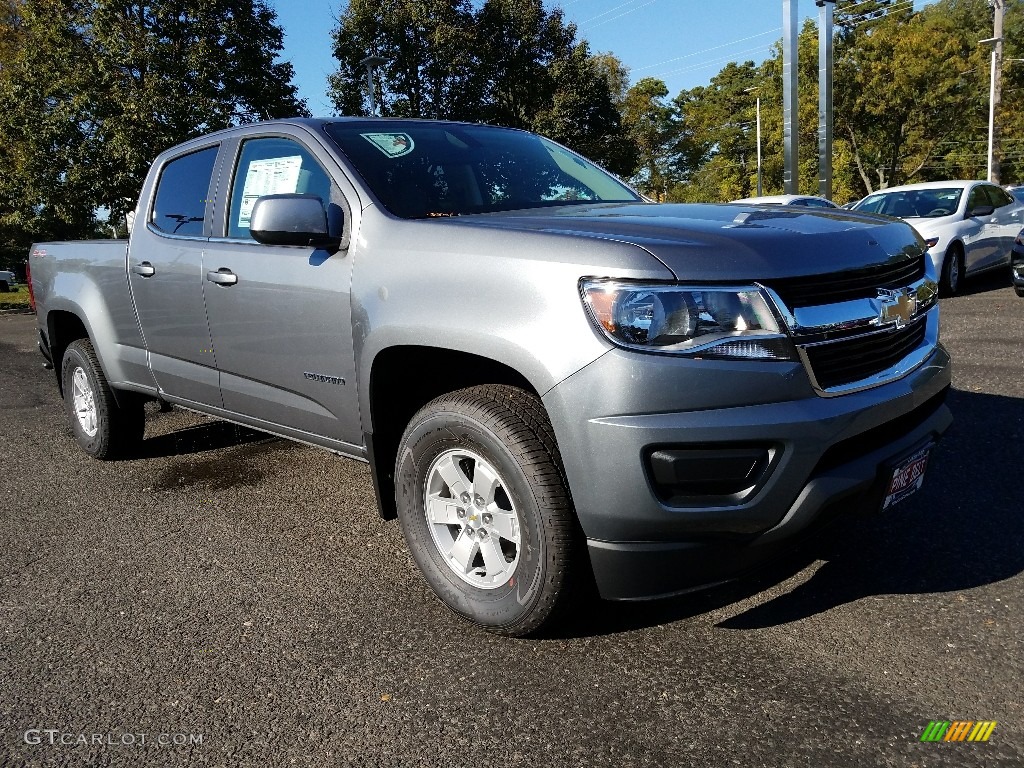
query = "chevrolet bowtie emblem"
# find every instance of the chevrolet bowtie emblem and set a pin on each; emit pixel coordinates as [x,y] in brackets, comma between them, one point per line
[896,307]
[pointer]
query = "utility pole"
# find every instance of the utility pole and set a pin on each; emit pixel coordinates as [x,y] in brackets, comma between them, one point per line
[825,11]
[995,92]
[790,106]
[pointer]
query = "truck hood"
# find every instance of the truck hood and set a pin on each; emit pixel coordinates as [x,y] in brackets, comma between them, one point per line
[725,242]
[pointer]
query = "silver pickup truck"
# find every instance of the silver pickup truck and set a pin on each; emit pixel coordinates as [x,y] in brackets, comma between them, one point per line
[556,383]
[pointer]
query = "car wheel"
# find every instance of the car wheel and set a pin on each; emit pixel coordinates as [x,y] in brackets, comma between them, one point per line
[1019,290]
[484,507]
[104,429]
[952,270]
[4,286]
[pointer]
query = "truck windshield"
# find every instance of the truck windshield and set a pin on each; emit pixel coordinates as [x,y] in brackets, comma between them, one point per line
[422,170]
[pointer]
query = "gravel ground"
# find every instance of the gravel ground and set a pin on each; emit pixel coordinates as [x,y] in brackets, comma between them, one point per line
[237,597]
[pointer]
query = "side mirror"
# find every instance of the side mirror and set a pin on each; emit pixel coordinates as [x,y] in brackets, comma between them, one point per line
[291,220]
[980,210]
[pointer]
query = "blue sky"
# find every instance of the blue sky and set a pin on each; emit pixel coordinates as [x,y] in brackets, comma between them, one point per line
[683,42]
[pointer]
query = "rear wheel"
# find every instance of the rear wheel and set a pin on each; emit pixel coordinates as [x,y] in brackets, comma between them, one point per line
[484,508]
[952,270]
[4,286]
[104,429]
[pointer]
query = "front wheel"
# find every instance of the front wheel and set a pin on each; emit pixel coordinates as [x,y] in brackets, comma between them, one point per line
[952,270]
[484,507]
[104,429]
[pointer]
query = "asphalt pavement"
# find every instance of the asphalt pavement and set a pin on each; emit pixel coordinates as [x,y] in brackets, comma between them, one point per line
[230,599]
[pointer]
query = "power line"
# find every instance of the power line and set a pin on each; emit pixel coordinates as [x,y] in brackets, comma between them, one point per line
[848,8]
[610,10]
[624,13]
[692,68]
[868,18]
[708,50]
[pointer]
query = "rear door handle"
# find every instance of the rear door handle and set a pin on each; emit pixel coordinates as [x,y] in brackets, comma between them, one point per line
[222,276]
[145,269]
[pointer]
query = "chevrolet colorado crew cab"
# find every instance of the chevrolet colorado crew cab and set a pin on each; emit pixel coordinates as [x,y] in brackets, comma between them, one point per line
[555,382]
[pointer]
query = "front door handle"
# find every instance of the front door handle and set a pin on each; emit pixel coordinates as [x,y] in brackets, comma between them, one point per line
[145,269]
[222,276]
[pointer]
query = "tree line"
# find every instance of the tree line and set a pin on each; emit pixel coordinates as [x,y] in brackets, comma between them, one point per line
[92,90]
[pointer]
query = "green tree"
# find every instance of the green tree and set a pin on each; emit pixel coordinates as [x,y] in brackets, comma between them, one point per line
[92,90]
[582,114]
[508,62]
[904,92]
[653,126]
[428,49]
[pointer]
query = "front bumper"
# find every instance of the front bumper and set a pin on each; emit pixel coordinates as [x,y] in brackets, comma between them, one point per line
[1017,264]
[825,451]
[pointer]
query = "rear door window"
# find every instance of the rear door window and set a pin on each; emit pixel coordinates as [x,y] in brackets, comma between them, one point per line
[181,204]
[998,197]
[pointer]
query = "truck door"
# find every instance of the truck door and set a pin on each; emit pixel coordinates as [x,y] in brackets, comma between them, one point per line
[281,316]
[165,273]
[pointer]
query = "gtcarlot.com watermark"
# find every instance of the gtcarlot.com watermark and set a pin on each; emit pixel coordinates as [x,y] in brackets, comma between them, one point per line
[58,738]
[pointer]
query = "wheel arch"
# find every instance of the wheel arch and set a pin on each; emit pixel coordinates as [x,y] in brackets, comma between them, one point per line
[405,378]
[62,328]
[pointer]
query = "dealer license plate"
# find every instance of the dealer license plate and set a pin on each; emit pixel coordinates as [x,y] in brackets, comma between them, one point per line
[907,478]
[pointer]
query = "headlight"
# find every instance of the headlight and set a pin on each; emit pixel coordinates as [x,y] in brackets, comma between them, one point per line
[734,323]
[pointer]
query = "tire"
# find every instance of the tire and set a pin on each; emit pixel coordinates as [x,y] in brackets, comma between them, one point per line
[104,429]
[952,278]
[1019,290]
[4,287]
[484,508]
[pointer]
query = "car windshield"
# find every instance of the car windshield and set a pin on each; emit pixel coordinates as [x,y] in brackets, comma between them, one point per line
[423,170]
[1018,194]
[913,203]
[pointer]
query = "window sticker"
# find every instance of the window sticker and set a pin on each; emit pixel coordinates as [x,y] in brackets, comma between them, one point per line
[391,144]
[276,176]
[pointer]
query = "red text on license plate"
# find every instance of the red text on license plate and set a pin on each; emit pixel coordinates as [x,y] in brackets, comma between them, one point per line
[907,478]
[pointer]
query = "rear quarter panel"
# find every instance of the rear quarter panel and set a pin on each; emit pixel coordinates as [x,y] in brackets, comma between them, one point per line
[89,280]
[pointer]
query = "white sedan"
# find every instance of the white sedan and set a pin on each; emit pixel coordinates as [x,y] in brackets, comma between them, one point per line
[807,201]
[969,225]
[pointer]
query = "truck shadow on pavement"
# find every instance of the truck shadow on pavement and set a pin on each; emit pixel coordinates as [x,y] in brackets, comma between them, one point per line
[962,530]
[201,438]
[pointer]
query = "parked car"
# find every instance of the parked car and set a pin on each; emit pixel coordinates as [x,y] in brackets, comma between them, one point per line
[8,281]
[969,225]
[1017,263]
[808,201]
[553,381]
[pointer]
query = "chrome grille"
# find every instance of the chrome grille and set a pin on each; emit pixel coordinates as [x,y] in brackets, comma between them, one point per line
[851,284]
[845,361]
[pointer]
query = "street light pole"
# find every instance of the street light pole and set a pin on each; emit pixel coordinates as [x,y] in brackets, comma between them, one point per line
[825,18]
[370,62]
[758,145]
[994,88]
[992,171]
[790,106]
[758,108]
